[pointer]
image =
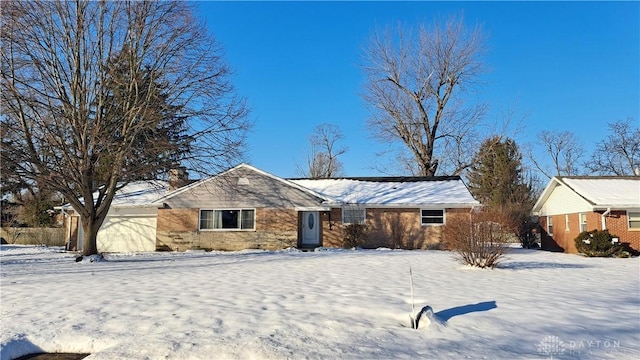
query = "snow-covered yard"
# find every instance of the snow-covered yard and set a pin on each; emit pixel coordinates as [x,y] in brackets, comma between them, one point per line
[325,304]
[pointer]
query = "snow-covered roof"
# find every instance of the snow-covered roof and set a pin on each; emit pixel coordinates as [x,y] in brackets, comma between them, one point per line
[382,191]
[607,191]
[616,192]
[137,194]
[436,191]
[140,193]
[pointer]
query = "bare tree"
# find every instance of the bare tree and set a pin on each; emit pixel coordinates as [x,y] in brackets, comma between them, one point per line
[418,83]
[563,149]
[323,161]
[98,94]
[619,153]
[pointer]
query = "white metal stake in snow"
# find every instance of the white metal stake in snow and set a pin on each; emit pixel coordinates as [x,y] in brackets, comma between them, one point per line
[413,306]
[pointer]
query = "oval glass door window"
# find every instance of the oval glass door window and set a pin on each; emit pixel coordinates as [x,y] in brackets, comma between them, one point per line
[310,221]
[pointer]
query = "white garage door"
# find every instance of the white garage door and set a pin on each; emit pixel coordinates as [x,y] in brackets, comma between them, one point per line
[128,234]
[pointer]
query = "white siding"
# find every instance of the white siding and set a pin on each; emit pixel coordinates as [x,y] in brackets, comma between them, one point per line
[128,230]
[564,201]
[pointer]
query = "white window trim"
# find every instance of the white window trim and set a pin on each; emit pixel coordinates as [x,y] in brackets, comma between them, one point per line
[550,225]
[227,209]
[637,212]
[566,223]
[580,223]
[364,215]
[444,217]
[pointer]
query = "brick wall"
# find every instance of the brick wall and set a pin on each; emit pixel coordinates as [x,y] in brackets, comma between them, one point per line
[564,240]
[278,228]
[618,224]
[178,231]
[177,220]
[393,228]
[332,228]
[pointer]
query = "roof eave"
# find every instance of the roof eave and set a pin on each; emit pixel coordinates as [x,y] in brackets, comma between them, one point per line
[414,205]
[553,183]
[615,207]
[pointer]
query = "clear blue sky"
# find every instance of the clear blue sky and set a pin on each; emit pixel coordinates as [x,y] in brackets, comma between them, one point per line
[569,65]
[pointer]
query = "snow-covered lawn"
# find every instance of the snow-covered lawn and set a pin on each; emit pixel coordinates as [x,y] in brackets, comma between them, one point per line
[317,305]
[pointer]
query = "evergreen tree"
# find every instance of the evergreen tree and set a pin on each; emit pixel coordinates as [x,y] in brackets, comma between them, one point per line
[498,181]
[159,147]
[496,177]
[37,209]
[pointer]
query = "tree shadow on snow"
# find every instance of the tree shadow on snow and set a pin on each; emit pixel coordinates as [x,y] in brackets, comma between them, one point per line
[447,314]
[528,265]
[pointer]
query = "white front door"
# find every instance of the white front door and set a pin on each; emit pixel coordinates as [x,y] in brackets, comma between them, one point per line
[310,228]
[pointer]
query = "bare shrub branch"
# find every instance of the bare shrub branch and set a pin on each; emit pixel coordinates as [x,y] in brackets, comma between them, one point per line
[480,240]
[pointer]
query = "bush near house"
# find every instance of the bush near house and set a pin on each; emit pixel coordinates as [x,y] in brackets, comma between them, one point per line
[354,235]
[528,233]
[599,243]
[480,240]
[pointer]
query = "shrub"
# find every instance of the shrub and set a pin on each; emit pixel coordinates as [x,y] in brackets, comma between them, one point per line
[480,239]
[354,235]
[599,243]
[529,234]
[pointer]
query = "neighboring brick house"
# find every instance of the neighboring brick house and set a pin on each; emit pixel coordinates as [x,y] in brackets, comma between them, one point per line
[247,208]
[570,205]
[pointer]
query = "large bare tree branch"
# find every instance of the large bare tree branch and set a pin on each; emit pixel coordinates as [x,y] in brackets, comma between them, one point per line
[98,94]
[417,86]
[322,161]
[564,151]
[619,152]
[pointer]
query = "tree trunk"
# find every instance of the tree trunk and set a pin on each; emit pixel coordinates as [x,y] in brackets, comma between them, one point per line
[89,242]
[96,95]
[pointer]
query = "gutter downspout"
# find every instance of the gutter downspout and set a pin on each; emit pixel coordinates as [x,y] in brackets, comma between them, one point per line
[604,216]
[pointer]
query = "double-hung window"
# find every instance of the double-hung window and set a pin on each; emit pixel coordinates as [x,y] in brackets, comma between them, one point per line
[550,225]
[228,219]
[353,216]
[432,216]
[634,220]
[583,222]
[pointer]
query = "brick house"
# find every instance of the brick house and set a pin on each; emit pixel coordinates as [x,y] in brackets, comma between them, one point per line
[570,205]
[247,208]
